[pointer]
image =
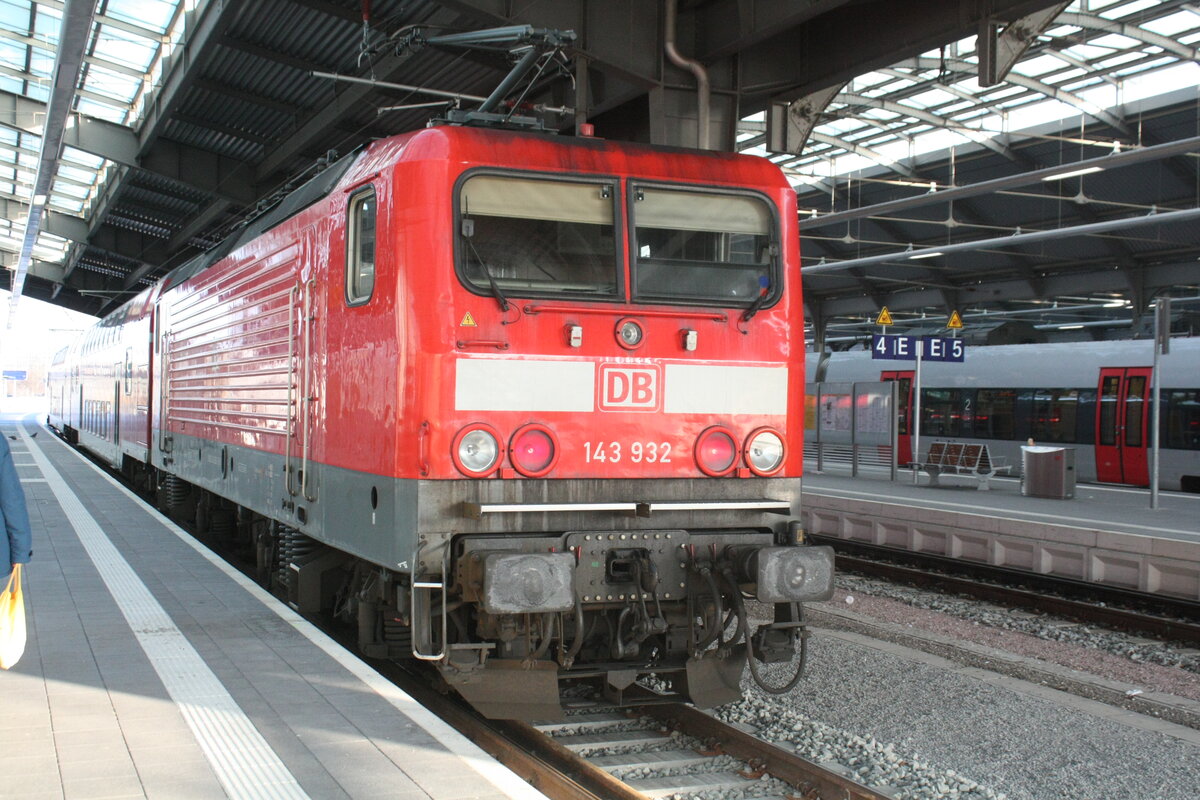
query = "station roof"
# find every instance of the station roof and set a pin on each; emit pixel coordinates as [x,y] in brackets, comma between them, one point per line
[137,133]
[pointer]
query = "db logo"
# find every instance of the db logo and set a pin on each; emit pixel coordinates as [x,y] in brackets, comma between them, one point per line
[624,388]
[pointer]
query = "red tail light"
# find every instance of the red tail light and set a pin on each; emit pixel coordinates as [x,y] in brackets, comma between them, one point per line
[716,452]
[533,450]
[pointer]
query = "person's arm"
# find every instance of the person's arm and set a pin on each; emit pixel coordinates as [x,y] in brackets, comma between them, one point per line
[16,515]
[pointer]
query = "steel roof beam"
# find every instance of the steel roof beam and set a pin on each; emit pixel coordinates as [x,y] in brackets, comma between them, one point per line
[72,41]
[204,170]
[1015,240]
[1047,90]
[53,222]
[1128,158]
[1100,279]
[211,21]
[1129,31]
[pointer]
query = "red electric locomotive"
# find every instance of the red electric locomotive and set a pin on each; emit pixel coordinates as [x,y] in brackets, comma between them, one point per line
[520,405]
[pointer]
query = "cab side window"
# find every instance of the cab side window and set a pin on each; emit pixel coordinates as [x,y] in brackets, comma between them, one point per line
[360,247]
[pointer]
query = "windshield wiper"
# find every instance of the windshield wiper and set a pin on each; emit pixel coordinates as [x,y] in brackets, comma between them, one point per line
[764,292]
[468,231]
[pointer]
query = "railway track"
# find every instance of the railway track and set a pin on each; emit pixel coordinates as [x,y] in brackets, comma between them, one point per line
[656,751]
[1174,619]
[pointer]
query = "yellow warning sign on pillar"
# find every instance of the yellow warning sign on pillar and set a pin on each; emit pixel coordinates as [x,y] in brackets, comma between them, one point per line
[955,321]
[468,321]
[884,318]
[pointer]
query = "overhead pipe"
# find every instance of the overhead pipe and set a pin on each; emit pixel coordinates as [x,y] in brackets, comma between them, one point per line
[703,87]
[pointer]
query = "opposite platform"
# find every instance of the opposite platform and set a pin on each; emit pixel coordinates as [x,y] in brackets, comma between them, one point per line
[155,670]
[1105,534]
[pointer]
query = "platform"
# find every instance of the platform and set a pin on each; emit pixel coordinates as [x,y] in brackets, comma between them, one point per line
[1105,534]
[155,670]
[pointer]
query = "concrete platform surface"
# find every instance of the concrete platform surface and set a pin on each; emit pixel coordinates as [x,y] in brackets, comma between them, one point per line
[154,670]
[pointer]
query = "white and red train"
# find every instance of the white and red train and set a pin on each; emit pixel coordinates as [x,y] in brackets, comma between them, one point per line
[1095,397]
[519,405]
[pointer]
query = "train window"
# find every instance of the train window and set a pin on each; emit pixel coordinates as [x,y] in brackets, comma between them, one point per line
[702,246]
[1054,415]
[1135,401]
[941,412]
[1085,417]
[995,413]
[537,236]
[360,247]
[1108,410]
[1181,420]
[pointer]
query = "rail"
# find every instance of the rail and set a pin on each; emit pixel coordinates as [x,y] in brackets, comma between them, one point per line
[1171,618]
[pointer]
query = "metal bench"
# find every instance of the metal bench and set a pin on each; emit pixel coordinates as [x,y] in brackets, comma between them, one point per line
[968,460]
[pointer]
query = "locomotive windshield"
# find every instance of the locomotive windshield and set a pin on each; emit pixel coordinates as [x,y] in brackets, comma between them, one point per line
[699,246]
[529,236]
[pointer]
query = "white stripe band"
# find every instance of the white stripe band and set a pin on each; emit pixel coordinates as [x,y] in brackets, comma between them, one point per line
[512,384]
[505,781]
[711,389]
[519,385]
[242,760]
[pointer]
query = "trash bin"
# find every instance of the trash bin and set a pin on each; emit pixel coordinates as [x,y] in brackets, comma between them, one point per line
[1048,472]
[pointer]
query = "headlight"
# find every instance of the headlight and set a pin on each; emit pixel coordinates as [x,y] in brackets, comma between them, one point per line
[764,452]
[533,450]
[795,574]
[528,583]
[629,334]
[716,452]
[476,451]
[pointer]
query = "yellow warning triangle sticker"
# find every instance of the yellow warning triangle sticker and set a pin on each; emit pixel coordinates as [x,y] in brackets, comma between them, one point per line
[884,318]
[955,321]
[468,321]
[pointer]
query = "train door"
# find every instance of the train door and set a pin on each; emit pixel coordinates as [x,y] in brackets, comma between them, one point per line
[1122,425]
[904,454]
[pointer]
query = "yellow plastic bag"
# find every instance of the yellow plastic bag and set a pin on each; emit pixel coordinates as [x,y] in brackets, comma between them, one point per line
[12,621]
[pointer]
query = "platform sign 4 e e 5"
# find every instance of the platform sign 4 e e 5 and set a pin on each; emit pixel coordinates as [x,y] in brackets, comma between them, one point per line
[904,348]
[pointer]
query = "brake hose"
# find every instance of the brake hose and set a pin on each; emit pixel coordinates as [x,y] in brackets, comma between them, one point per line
[718,615]
[762,684]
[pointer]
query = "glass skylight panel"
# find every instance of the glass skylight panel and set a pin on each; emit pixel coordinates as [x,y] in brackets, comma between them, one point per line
[46,24]
[86,160]
[931,97]
[104,111]
[70,190]
[154,14]
[111,84]
[1040,65]
[1059,31]
[1124,10]
[126,48]
[1117,60]
[1115,41]
[861,82]
[14,14]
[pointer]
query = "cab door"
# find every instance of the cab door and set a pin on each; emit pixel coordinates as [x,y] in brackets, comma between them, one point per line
[904,454]
[1123,426]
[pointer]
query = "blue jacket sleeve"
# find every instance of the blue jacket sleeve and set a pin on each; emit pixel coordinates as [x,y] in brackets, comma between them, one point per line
[12,505]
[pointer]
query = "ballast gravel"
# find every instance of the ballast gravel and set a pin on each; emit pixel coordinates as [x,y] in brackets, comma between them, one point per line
[1031,622]
[927,730]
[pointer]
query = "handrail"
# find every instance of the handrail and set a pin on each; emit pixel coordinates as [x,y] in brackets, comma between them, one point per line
[291,395]
[624,311]
[306,372]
